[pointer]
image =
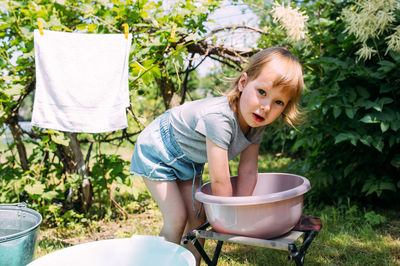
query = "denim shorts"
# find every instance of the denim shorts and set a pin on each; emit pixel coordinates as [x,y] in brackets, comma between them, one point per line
[158,156]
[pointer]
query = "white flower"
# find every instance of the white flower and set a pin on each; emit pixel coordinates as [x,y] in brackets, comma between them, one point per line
[292,20]
[369,19]
[365,52]
[394,41]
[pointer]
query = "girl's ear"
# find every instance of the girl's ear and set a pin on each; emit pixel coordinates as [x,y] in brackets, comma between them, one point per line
[242,81]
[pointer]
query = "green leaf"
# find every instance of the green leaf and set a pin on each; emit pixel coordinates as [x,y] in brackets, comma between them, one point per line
[378,144]
[385,100]
[88,8]
[352,96]
[395,125]
[60,139]
[299,142]
[369,119]
[385,88]
[386,66]
[363,92]
[396,161]
[366,186]
[371,188]
[15,89]
[350,112]
[348,169]
[54,208]
[366,140]
[345,136]
[384,126]
[54,22]
[336,111]
[387,186]
[325,22]
[35,189]
[367,104]
[53,147]
[332,60]
[155,71]
[374,219]
[27,32]
[49,195]
[28,54]
[111,20]
[92,27]
[81,26]
[381,102]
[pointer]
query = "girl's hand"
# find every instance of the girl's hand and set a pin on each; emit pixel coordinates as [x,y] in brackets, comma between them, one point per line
[218,168]
[248,170]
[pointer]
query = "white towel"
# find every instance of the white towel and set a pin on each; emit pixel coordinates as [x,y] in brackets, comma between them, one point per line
[81,81]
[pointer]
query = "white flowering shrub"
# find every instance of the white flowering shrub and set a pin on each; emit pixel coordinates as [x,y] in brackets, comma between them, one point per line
[370,20]
[292,20]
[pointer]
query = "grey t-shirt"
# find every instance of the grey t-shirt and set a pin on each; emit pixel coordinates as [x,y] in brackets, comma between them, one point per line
[213,118]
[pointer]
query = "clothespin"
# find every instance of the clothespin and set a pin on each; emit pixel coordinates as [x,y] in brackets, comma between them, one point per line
[126,30]
[40,24]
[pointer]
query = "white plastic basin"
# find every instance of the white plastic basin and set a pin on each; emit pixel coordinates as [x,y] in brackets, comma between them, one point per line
[139,250]
[273,210]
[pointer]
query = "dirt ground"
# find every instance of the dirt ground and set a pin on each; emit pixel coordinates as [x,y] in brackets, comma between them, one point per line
[51,239]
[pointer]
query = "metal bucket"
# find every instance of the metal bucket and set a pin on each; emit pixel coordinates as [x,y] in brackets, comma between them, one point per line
[18,233]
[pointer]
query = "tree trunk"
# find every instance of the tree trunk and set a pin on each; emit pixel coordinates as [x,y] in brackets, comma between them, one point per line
[73,162]
[17,133]
[167,90]
[86,186]
[64,153]
[12,122]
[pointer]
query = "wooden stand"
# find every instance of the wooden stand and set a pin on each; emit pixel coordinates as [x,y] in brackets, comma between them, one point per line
[285,242]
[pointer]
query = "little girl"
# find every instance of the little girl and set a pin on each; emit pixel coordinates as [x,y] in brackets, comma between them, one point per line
[171,152]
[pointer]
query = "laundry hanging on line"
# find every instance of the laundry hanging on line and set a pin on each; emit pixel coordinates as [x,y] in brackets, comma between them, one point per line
[81,81]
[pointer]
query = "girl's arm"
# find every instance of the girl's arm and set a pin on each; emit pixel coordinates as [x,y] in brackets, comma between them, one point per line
[248,170]
[219,169]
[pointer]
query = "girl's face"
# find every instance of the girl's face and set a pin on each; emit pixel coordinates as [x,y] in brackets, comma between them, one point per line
[260,102]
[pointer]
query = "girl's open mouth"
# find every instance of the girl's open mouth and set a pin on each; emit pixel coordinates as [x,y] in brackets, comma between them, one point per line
[258,118]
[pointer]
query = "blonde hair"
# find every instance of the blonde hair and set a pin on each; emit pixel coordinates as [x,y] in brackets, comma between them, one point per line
[292,79]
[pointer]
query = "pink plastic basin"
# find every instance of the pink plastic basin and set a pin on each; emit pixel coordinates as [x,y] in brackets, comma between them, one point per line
[273,210]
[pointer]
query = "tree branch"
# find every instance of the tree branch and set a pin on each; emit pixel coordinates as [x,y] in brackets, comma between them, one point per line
[235,27]
[235,56]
